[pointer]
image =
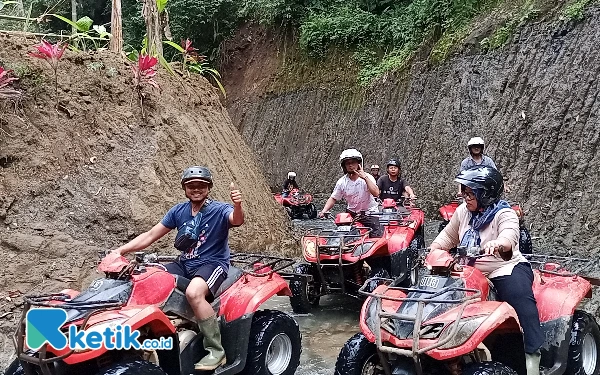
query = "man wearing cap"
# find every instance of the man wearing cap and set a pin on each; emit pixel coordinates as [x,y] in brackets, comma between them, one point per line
[202,237]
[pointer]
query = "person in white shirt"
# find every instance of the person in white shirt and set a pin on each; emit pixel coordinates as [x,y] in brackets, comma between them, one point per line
[486,221]
[358,188]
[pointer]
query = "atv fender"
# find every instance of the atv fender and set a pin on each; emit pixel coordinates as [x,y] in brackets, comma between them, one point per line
[150,316]
[501,319]
[248,293]
[558,296]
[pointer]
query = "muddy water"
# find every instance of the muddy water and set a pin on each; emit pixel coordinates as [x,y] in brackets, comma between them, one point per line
[328,327]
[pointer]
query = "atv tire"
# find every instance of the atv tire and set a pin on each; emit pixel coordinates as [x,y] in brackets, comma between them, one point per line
[15,368]
[376,272]
[275,344]
[305,294]
[413,251]
[358,357]
[132,367]
[525,243]
[311,211]
[487,368]
[584,348]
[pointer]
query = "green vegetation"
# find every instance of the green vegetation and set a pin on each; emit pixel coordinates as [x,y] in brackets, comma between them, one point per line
[502,35]
[374,36]
[573,11]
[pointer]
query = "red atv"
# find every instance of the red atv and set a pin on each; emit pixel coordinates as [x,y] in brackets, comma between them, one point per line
[142,295]
[525,243]
[340,260]
[297,204]
[451,323]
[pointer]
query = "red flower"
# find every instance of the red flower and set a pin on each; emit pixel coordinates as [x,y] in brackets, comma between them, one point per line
[146,62]
[49,52]
[144,72]
[5,80]
[187,45]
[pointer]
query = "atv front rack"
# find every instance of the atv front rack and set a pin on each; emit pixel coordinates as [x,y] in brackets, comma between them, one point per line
[41,358]
[394,218]
[260,265]
[432,296]
[342,245]
[565,266]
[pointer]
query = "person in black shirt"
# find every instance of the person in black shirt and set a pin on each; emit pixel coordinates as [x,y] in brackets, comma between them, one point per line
[289,184]
[392,186]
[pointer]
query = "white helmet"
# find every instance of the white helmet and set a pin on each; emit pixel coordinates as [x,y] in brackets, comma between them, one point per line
[291,175]
[476,141]
[374,166]
[350,153]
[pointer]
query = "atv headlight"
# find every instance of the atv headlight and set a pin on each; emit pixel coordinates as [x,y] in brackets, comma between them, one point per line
[466,328]
[310,248]
[100,328]
[362,248]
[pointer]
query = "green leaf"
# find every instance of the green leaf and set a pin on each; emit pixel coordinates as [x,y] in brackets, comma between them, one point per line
[65,19]
[174,45]
[84,24]
[165,64]
[161,5]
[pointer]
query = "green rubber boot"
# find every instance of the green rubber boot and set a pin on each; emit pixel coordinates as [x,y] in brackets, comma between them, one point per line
[532,362]
[212,343]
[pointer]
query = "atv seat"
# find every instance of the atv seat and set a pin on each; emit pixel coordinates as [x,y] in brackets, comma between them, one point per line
[232,276]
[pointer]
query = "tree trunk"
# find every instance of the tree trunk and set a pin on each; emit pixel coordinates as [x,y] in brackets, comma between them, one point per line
[74,15]
[153,27]
[116,29]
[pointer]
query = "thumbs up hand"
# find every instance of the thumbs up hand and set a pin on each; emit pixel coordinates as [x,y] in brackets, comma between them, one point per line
[236,195]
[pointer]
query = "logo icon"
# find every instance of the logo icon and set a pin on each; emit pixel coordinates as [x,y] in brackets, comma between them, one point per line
[43,326]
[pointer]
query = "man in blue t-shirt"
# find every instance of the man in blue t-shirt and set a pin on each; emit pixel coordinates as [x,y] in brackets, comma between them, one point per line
[204,261]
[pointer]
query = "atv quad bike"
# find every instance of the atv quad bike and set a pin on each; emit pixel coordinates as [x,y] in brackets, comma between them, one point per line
[452,323]
[339,261]
[525,243]
[297,204]
[142,295]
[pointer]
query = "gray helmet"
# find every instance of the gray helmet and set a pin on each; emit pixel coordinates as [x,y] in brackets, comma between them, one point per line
[197,173]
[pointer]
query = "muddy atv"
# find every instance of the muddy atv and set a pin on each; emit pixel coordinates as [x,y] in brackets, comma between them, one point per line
[142,295]
[452,323]
[297,204]
[525,243]
[340,260]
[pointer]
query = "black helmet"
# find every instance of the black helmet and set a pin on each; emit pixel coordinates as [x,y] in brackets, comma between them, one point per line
[197,173]
[487,180]
[393,162]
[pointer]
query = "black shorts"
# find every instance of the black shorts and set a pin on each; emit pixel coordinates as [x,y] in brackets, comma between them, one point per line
[212,274]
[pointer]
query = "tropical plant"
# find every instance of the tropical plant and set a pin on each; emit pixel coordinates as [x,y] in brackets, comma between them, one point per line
[6,89]
[52,53]
[195,63]
[86,32]
[143,74]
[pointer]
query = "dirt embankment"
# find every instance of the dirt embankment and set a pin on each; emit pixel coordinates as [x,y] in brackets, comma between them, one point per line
[95,175]
[535,102]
